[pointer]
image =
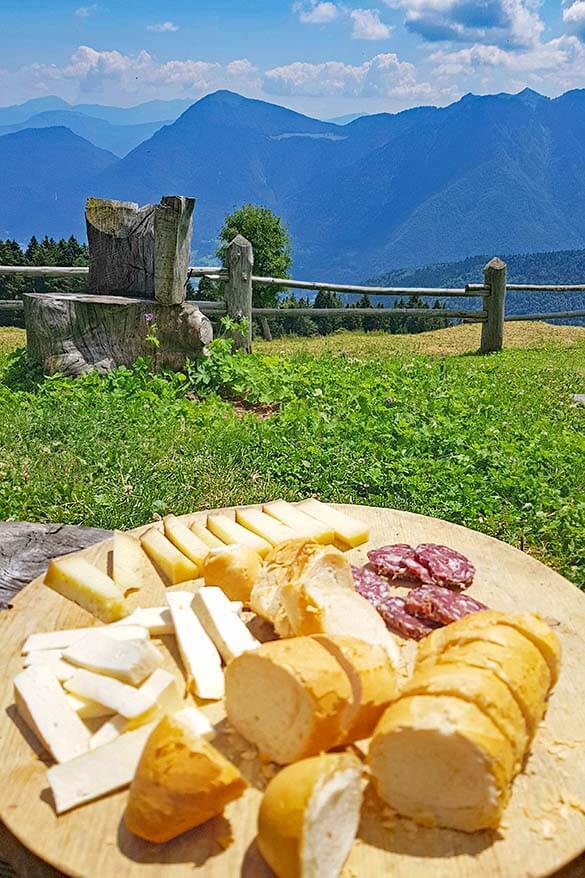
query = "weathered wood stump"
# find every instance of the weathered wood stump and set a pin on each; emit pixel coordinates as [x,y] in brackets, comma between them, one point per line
[73,334]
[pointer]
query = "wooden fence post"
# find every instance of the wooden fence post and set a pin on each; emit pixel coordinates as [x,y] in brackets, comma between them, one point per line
[492,329]
[239,261]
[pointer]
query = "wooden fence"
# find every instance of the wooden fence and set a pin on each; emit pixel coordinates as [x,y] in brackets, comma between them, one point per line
[237,275]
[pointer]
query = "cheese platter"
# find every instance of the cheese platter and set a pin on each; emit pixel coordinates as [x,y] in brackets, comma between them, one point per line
[64,815]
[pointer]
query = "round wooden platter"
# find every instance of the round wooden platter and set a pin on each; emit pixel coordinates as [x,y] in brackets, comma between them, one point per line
[543,827]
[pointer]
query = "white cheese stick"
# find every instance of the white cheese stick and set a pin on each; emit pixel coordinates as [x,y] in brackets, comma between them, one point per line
[85,708]
[230,532]
[131,568]
[297,519]
[197,720]
[124,699]
[51,659]
[266,527]
[76,579]
[205,535]
[130,661]
[163,687]
[347,529]
[67,637]
[225,627]
[98,772]
[185,540]
[175,566]
[200,657]
[43,706]
[156,619]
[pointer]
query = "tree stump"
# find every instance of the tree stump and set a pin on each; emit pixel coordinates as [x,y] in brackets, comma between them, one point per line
[73,334]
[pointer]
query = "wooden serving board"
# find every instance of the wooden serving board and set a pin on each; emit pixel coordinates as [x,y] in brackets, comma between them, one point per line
[543,827]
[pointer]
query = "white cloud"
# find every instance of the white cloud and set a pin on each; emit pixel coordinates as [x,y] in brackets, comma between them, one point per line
[367,25]
[315,12]
[574,17]
[163,27]
[85,11]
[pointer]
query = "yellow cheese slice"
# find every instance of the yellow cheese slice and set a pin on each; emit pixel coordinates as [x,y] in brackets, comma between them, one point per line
[205,535]
[185,540]
[230,532]
[131,569]
[174,565]
[299,521]
[265,526]
[79,581]
[347,529]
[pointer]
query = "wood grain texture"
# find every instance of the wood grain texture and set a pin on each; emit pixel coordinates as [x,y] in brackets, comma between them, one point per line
[543,827]
[173,229]
[239,262]
[492,331]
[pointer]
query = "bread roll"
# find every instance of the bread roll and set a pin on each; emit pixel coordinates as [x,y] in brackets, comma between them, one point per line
[309,816]
[181,781]
[441,761]
[372,678]
[313,607]
[234,568]
[292,562]
[287,697]
[481,687]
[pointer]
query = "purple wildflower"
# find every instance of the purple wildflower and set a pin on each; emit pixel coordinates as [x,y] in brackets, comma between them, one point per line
[149,317]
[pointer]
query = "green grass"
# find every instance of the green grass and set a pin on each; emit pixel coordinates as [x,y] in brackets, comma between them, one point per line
[493,443]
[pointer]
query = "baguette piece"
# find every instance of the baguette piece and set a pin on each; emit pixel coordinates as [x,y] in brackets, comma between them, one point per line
[373,682]
[288,697]
[348,530]
[205,535]
[265,526]
[181,782]
[442,762]
[76,579]
[300,521]
[309,816]
[185,540]
[234,568]
[229,531]
[175,566]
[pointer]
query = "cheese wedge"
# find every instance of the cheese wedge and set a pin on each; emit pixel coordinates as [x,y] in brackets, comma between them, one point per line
[120,697]
[68,636]
[130,661]
[299,521]
[347,529]
[229,634]
[85,708]
[442,762]
[181,782]
[157,620]
[265,526]
[234,568]
[287,697]
[160,685]
[200,657]
[98,772]
[173,564]
[230,531]
[131,569]
[185,540]
[43,706]
[205,535]
[79,581]
[50,659]
[309,816]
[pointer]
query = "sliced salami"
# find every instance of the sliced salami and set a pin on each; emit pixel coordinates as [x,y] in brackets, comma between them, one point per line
[394,613]
[369,584]
[398,562]
[437,604]
[445,566]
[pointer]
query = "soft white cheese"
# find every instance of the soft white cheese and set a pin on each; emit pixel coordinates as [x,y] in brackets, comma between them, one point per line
[65,638]
[156,619]
[130,661]
[124,699]
[51,659]
[226,629]
[200,657]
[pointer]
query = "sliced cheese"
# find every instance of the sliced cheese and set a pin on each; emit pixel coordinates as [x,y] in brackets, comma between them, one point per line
[79,581]
[68,636]
[299,521]
[85,708]
[131,568]
[43,706]
[230,532]
[157,620]
[50,659]
[266,527]
[226,629]
[347,529]
[205,535]
[162,686]
[124,699]
[174,565]
[130,661]
[98,772]
[185,540]
[200,657]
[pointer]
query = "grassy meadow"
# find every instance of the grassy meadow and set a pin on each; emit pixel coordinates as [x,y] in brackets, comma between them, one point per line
[415,422]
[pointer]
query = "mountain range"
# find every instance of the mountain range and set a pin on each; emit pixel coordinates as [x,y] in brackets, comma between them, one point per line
[487,174]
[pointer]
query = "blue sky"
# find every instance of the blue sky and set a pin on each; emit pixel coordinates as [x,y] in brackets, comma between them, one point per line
[322,57]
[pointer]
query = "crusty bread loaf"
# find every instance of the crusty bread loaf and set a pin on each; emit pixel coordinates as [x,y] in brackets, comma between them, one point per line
[288,697]
[292,562]
[309,816]
[234,568]
[314,607]
[441,761]
[373,681]
[181,781]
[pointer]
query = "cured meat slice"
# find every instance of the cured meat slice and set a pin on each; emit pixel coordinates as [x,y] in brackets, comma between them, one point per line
[436,604]
[369,584]
[394,613]
[445,566]
[398,561]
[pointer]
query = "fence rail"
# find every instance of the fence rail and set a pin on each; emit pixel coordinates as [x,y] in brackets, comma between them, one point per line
[236,273]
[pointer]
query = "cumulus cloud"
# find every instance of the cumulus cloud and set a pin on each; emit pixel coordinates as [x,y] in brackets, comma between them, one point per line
[315,12]
[574,17]
[163,27]
[495,22]
[367,25]
[85,11]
